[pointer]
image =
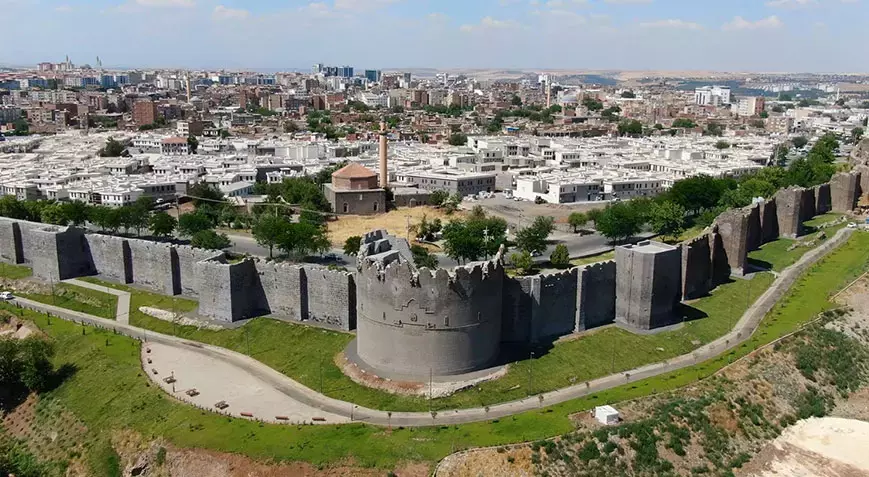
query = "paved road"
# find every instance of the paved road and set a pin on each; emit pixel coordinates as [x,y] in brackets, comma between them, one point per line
[122,312]
[741,332]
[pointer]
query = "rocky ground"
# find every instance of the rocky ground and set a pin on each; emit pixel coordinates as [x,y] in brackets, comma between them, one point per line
[722,426]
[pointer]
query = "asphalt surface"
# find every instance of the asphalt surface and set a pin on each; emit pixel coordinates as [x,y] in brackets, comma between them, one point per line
[741,332]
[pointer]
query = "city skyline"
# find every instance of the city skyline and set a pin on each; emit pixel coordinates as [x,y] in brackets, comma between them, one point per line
[776,35]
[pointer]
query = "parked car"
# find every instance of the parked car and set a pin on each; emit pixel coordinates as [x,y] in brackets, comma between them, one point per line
[6,295]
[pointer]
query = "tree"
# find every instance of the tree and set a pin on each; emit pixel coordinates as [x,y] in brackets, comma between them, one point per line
[722,145]
[856,134]
[224,134]
[192,144]
[269,231]
[290,127]
[352,245]
[532,239]
[785,97]
[516,101]
[112,148]
[162,224]
[577,220]
[684,123]
[472,239]
[36,368]
[560,257]
[438,197]
[667,218]
[458,139]
[193,223]
[304,192]
[630,127]
[714,129]
[619,221]
[76,212]
[592,104]
[594,215]
[422,257]
[208,200]
[106,218]
[302,239]
[53,214]
[523,262]
[799,142]
[628,94]
[133,217]
[698,192]
[210,240]
[764,114]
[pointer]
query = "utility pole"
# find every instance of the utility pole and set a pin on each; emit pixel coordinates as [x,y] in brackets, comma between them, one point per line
[531,375]
[430,385]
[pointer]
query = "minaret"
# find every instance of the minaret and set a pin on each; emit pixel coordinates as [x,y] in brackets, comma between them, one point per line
[188,87]
[384,172]
[548,93]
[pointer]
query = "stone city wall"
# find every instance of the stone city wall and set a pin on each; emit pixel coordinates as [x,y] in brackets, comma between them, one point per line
[10,242]
[845,190]
[768,221]
[696,267]
[111,257]
[788,203]
[597,295]
[823,200]
[520,297]
[330,297]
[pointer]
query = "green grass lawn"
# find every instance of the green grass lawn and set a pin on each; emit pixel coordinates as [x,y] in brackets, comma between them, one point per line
[776,253]
[14,272]
[108,390]
[305,353]
[601,257]
[80,299]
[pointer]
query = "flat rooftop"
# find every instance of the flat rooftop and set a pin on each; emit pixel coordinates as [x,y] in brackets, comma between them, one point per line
[650,247]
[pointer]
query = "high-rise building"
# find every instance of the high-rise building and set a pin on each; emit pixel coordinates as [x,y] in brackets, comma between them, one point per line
[712,95]
[345,72]
[373,75]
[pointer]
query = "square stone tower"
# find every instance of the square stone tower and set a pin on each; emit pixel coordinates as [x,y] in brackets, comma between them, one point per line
[648,284]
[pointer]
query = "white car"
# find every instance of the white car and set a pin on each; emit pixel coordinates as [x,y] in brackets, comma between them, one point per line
[6,295]
[852,225]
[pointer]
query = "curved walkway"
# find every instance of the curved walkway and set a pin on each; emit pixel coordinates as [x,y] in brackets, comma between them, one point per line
[740,333]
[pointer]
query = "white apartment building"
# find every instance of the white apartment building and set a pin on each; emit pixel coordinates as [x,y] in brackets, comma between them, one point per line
[753,106]
[712,95]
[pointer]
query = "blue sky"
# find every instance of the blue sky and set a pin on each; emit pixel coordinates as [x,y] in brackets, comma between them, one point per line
[723,35]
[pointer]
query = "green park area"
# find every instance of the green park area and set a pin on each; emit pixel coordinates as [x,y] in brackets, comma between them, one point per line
[108,392]
[779,254]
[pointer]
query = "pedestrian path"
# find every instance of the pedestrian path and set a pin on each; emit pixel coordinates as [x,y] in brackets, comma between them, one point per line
[122,313]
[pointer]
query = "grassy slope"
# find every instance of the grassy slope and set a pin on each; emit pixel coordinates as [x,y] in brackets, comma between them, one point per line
[597,354]
[776,253]
[14,272]
[80,299]
[109,392]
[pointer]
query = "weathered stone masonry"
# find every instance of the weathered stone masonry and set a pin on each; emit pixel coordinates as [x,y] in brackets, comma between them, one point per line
[411,321]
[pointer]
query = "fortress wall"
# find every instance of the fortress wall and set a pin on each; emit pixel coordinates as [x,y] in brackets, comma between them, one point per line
[788,202]
[768,221]
[556,314]
[111,257]
[734,230]
[62,253]
[648,284]
[10,242]
[845,190]
[282,287]
[696,267]
[521,295]
[184,271]
[807,204]
[429,321]
[229,292]
[823,199]
[754,232]
[596,299]
[152,264]
[331,297]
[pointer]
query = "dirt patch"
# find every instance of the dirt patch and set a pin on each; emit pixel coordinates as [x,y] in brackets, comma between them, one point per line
[394,221]
[157,458]
[409,388]
[514,461]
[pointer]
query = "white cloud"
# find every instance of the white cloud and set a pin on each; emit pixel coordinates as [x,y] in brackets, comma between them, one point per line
[790,3]
[361,5]
[225,13]
[739,23]
[166,3]
[489,23]
[564,3]
[673,23]
[63,8]
[626,2]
